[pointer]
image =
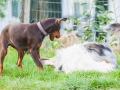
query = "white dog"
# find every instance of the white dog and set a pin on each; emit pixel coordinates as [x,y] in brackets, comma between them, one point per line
[86,56]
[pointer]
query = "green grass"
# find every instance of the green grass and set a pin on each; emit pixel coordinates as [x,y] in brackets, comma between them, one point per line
[30,78]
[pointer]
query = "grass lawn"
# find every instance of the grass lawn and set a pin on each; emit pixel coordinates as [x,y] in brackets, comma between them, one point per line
[30,78]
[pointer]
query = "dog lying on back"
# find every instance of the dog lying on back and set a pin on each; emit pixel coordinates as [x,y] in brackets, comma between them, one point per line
[28,37]
[86,56]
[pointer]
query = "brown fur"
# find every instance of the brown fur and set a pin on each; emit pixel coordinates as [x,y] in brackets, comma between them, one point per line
[68,39]
[27,37]
[115,29]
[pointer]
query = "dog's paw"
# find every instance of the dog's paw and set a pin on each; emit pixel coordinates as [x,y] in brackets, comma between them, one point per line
[40,68]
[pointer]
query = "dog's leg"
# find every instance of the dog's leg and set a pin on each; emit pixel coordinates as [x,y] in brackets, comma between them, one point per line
[2,56]
[20,57]
[33,54]
[38,54]
[3,52]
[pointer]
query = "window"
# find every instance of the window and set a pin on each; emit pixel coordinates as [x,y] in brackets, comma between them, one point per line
[55,8]
[77,9]
[41,9]
[16,6]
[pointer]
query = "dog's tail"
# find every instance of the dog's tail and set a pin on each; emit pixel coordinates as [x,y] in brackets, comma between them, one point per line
[115,28]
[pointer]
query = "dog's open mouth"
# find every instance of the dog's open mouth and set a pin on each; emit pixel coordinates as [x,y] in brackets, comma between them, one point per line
[57,36]
[52,37]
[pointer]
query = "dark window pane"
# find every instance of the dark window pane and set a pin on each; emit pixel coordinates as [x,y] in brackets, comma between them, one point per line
[15,8]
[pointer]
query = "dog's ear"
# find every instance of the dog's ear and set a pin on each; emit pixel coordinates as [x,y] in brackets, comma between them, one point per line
[33,21]
[61,19]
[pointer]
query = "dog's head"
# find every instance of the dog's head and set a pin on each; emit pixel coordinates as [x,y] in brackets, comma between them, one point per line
[52,27]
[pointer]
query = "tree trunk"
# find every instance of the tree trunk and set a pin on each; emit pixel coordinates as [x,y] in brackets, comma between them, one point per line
[22,12]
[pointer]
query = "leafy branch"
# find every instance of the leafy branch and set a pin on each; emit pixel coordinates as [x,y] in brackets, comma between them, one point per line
[2,7]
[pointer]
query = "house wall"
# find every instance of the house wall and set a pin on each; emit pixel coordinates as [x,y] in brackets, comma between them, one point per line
[73,8]
[8,15]
[114,5]
[68,10]
[115,8]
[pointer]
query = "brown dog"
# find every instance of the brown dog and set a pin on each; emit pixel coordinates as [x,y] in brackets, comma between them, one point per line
[28,37]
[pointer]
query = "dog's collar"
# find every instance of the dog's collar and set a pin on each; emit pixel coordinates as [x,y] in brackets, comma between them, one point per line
[41,29]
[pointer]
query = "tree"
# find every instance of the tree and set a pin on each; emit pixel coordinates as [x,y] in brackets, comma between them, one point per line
[2,7]
[22,12]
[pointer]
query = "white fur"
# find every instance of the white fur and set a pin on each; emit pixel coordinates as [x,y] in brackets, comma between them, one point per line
[76,57]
